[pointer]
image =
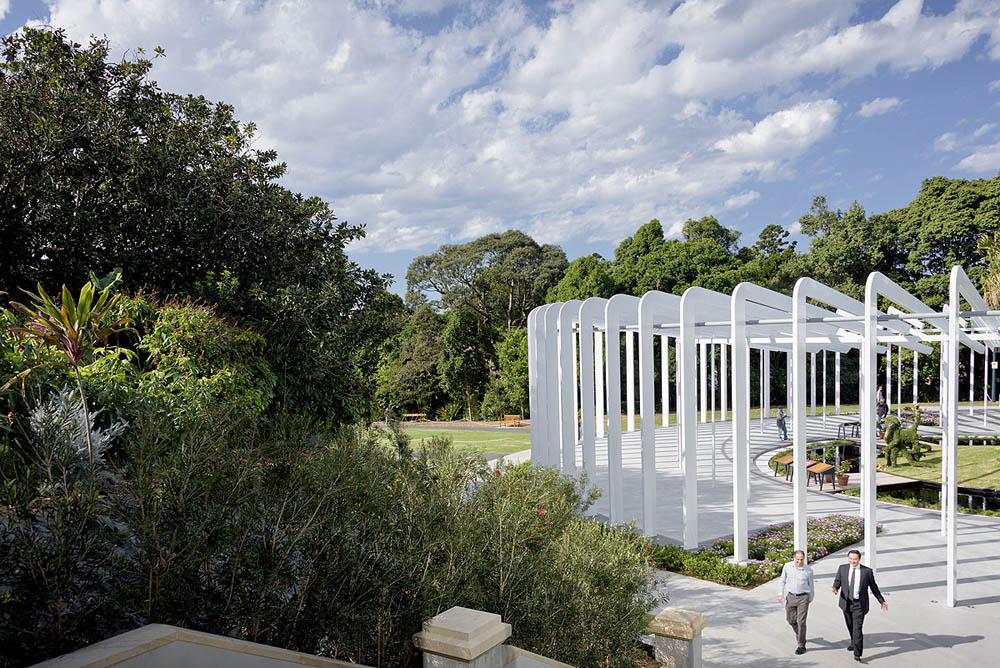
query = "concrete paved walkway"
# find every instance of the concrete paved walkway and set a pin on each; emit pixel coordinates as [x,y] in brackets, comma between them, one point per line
[747,628]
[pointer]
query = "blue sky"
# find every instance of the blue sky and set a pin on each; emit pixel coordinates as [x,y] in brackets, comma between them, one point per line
[435,122]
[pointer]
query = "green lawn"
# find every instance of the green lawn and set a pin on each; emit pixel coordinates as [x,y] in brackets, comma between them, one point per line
[475,442]
[978,466]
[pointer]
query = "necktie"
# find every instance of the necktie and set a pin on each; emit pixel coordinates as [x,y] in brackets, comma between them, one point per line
[850,585]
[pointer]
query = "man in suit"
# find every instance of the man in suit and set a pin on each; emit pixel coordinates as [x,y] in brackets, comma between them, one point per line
[853,582]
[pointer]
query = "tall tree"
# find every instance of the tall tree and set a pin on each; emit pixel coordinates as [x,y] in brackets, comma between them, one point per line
[500,277]
[100,168]
[587,276]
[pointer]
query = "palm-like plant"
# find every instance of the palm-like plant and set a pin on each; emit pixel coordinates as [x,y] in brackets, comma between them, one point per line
[77,328]
[989,246]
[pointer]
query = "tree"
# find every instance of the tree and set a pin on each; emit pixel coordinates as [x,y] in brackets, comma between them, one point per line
[708,228]
[101,168]
[506,273]
[512,352]
[408,376]
[462,364]
[638,265]
[587,276]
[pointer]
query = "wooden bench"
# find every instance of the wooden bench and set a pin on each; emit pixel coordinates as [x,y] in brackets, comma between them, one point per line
[414,417]
[783,462]
[510,421]
[820,470]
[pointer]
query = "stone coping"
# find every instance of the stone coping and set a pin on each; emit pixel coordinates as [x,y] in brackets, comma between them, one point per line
[152,636]
[678,623]
[462,633]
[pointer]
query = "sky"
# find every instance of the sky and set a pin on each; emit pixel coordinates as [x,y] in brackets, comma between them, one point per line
[434,122]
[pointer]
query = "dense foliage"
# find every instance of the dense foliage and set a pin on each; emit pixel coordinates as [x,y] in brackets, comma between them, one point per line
[299,537]
[99,168]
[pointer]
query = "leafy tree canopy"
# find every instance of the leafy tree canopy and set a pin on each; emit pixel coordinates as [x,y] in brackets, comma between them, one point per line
[101,168]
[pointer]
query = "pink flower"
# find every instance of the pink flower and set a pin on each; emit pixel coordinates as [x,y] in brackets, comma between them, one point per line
[541,511]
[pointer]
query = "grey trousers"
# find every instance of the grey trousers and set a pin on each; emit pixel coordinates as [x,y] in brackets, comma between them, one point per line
[796,609]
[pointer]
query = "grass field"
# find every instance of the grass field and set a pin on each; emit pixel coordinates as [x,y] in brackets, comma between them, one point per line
[978,466]
[754,414]
[475,442]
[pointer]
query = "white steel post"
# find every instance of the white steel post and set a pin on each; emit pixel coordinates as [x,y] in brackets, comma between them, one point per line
[591,378]
[703,381]
[760,404]
[617,306]
[724,377]
[689,426]
[577,415]
[711,349]
[972,381]
[824,388]
[568,313]
[767,382]
[798,411]
[868,374]
[916,386]
[836,381]
[665,378]
[899,383]
[741,435]
[630,378]
[789,382]
[945,417]
[986,384]
[812,382]
[888,377]
[535,383]
[599,381]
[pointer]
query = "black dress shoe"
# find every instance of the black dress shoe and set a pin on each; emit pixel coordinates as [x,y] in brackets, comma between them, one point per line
[850,648]
[800,650]
[857,657]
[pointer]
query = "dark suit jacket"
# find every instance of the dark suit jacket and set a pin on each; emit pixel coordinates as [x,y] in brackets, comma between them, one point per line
[840,583]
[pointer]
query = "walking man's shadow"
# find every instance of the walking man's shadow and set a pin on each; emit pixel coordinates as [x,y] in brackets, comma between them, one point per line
[885,645]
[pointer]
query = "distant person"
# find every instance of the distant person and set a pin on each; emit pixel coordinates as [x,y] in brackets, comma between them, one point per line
[881,411]
[782,430]
[852,583]
[796,591]
[881,396]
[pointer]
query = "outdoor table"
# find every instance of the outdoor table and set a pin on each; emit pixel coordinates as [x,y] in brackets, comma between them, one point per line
[855,428]
[818,471]
[784,462]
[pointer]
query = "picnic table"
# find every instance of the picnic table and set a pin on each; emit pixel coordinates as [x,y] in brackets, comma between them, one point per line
[414,417]
[854,426]
[820,470]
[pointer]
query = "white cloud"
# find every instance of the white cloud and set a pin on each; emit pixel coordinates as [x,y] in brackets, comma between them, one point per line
[4,8]
[983,129]
[879,106]
[785,133]
[984,160]
[946,142]
[875,178]
[993,86]
[741,200]
[795,228]
[575,127]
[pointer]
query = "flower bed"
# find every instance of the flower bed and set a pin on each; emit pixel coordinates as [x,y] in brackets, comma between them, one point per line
[769,549]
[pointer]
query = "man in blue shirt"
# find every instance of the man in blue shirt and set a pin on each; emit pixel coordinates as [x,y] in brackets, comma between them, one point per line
[796,591]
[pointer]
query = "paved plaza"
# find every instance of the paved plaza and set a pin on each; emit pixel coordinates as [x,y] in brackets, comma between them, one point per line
[748,628]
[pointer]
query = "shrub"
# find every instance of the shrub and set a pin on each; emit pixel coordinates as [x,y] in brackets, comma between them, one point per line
[294,535]
[768,550]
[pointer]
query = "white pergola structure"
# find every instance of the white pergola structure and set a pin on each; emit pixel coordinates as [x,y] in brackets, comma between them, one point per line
[575,381]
